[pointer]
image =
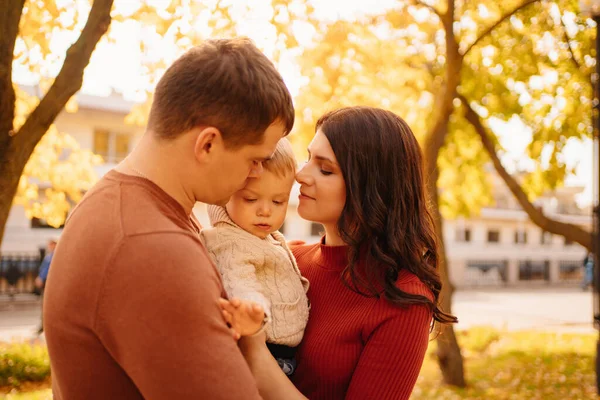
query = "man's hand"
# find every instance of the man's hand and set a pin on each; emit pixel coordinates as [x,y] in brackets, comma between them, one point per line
[244,317]
[39,283]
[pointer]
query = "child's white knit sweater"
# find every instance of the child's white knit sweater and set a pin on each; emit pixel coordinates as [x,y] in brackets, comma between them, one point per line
[260,270]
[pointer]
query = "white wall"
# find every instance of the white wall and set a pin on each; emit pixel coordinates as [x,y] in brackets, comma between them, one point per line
[20,237]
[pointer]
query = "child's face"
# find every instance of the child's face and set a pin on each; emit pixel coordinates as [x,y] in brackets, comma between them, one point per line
[261,206]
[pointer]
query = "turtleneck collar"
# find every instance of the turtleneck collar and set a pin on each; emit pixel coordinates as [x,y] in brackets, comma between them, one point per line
[332,257]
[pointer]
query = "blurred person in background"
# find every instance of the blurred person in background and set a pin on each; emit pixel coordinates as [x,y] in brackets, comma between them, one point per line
[40,280]
[588,271]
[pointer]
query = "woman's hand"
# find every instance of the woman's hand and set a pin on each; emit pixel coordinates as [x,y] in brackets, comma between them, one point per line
[296,242]
[244,317]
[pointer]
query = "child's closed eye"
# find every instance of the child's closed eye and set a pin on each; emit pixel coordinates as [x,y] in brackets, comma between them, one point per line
[249,200]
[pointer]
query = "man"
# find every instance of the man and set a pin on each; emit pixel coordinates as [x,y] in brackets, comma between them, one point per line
[131,304]
[40,281]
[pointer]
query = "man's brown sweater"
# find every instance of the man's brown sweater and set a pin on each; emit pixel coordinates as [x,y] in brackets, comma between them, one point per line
[131,303]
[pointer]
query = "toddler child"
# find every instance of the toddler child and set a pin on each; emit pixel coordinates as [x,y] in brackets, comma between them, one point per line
[255,263]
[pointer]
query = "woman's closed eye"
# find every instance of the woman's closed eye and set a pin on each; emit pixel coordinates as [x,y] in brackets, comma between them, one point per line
[325,172]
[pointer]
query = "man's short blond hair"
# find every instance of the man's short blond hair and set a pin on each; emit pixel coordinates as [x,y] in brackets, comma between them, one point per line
[283,161]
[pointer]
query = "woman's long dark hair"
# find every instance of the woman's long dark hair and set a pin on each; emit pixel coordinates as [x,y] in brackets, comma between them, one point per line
[386,216]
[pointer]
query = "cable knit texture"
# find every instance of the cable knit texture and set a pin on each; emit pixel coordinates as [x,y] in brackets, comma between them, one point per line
[357,347]
[260,270]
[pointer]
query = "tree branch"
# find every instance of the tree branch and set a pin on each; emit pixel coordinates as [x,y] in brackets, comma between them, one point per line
[430,8]
[568,40]
[70,77]
[495,25]
[9,29]
[450,13]
[569,231]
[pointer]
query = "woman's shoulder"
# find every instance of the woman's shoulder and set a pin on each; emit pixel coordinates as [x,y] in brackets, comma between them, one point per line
[410,283]
[300,250]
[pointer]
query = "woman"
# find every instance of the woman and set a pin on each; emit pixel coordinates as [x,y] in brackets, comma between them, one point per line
[374,281]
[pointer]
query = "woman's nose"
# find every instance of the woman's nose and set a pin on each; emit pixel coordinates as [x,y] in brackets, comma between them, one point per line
[303,177]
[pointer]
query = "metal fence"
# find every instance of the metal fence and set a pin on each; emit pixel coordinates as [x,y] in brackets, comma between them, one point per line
[486,273]
[18,272]
[534,270]
[570,271]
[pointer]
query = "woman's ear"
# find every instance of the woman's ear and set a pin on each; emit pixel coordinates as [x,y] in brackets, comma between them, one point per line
[209,144]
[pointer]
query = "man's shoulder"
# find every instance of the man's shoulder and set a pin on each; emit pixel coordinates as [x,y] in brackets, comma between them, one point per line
[168,255]
[129,207]
[103,193]
[178,244]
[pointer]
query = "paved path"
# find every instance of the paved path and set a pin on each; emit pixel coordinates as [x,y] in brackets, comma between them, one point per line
[554,309]
[19,319]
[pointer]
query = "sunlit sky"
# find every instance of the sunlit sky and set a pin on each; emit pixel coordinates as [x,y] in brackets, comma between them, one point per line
[119,65]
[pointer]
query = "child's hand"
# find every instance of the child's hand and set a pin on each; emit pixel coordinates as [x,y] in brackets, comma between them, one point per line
[245,317]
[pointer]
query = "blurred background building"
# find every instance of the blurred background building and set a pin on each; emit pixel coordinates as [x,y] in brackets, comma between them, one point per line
[499,247]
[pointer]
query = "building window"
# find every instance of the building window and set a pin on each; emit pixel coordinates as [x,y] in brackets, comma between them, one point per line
[112,146]
[121,146]
[316,229]
[520,237]
[463,235]
[538,270]
[493,236]
[570,271]
[546,238]
[486,272]
[101,145]
[502,202]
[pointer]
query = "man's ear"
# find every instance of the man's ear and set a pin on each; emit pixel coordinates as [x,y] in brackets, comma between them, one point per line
[208,143]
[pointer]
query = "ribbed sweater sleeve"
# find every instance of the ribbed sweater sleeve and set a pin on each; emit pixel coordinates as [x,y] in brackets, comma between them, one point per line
[395,346]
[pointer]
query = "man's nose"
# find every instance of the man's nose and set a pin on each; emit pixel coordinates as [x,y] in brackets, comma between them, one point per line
[256,170]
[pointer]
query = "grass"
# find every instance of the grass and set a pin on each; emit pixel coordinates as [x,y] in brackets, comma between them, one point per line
[23,362]
[44,394]
[517,365]
[499,366]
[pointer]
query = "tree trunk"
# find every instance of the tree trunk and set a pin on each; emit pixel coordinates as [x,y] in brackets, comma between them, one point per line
[17,147]
[9,29]
[10,173]
[449,355]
